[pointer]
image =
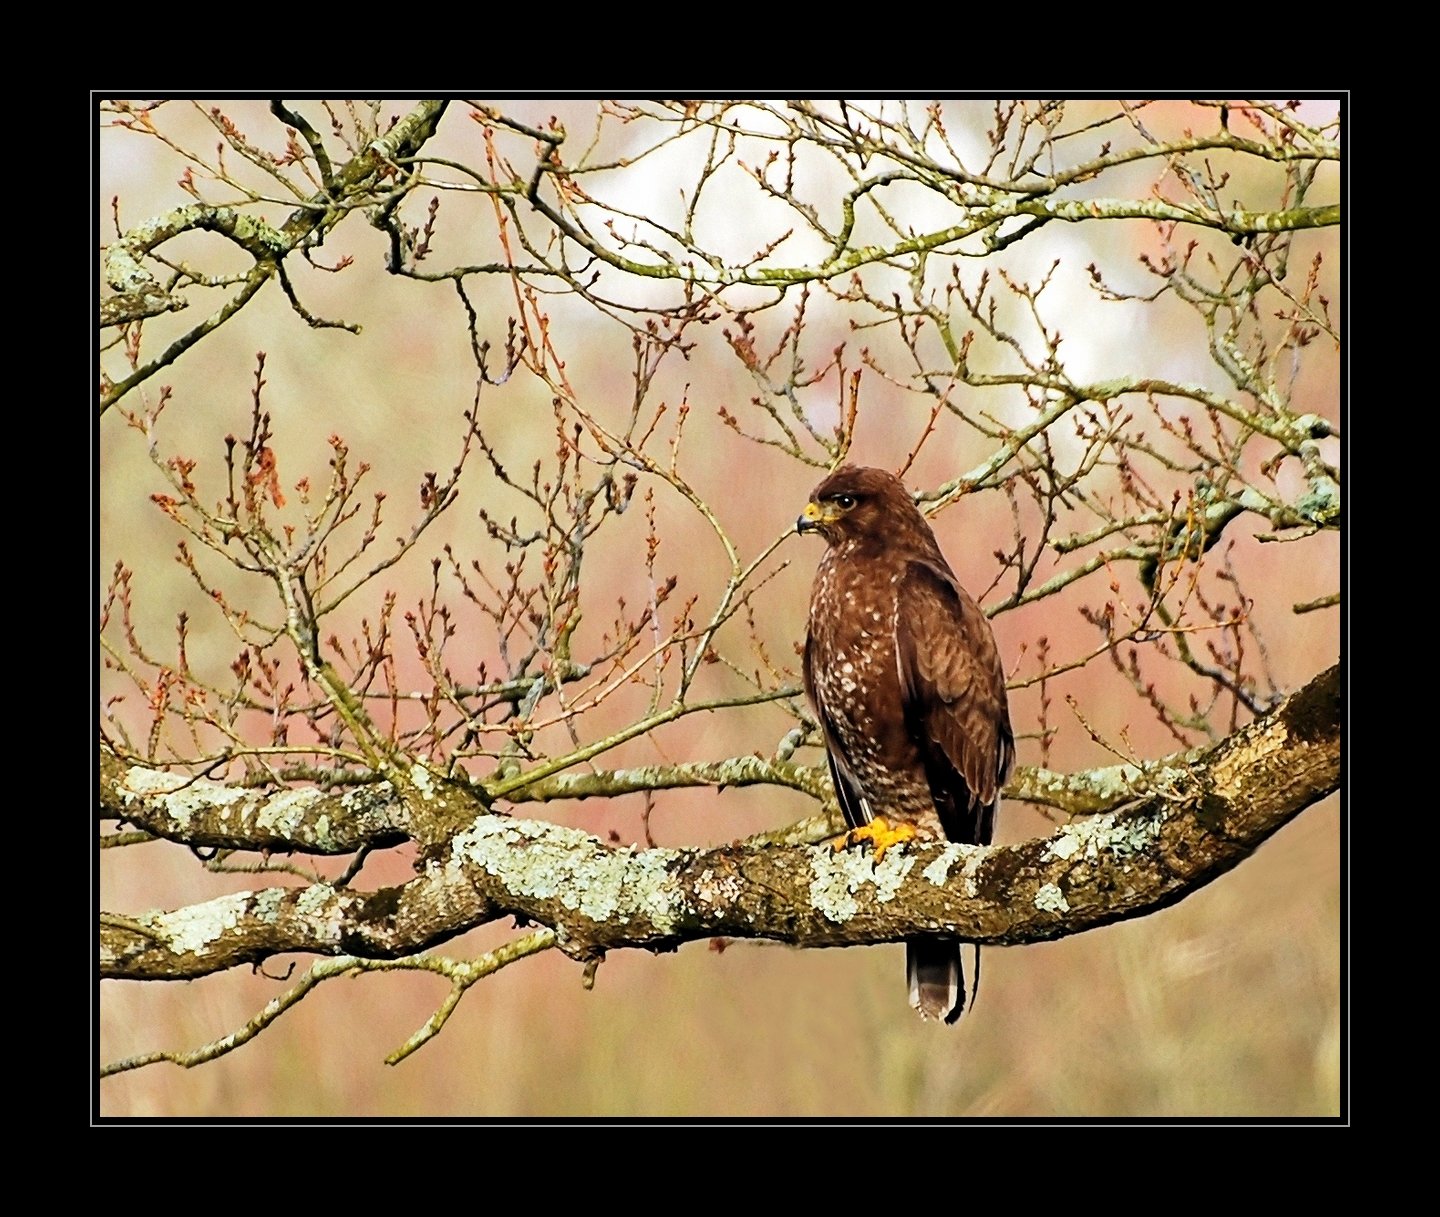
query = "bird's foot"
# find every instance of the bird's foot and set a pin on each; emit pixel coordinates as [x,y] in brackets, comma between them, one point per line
[879,832]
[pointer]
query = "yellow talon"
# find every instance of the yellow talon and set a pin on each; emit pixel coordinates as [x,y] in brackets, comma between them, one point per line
[879,833]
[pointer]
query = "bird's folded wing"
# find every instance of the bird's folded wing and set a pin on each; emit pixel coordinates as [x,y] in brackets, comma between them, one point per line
[952,680]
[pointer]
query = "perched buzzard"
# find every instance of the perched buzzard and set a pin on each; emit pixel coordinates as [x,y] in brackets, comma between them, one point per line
[905,678]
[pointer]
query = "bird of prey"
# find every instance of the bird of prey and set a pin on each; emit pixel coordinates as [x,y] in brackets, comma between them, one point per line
[905,678]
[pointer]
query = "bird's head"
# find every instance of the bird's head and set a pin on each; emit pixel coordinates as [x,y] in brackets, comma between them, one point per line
[861,504]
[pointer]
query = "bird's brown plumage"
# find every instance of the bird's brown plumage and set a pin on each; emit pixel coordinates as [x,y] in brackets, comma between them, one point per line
[903,672]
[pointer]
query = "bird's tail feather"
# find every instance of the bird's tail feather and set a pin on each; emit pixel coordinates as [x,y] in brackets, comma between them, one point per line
[936,977]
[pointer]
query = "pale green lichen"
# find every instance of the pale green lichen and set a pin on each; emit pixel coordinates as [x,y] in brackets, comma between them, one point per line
[1322,503]
[321,904]
[837,876]
[178,797]
[1065,845]
[1111,833]
[267,904]
[1113,782]
[421,777]
[192,929]
[550,862]
[1050,899]
[140,782]
[314,899]
[285,813]
[938,872]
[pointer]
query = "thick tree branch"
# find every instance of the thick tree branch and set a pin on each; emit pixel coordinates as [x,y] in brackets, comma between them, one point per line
[1188,824]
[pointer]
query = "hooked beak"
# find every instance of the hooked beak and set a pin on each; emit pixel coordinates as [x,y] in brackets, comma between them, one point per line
[811,519]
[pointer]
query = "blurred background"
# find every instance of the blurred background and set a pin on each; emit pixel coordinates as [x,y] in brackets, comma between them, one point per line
[1227,1004]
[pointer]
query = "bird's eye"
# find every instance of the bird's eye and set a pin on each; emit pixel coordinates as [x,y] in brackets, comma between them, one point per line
[845,501]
